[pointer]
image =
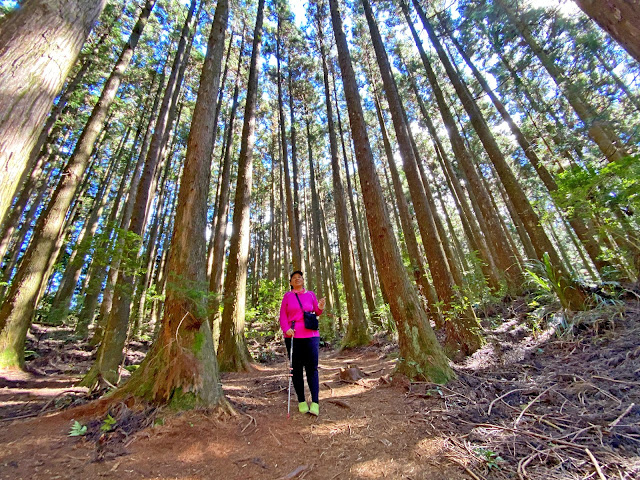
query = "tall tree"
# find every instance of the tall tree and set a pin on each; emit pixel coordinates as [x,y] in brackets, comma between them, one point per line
[222,210]
[181,368]
[357,327]
[233,353]
[296,253]
[610,145]
[572,297]
[579,226]
[421,354]
[39,44]
[463,331]
[116,315]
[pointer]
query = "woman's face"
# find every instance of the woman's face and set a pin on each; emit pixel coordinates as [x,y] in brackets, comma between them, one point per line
[296,281]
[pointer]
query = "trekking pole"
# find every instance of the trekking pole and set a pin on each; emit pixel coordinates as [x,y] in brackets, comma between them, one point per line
[290,370]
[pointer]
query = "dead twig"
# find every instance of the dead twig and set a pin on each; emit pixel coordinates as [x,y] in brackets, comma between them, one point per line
[500,398]
[617,420]
[276,438]
[295,472]
[529,404]
[253,420]
[616,381]
[595,464]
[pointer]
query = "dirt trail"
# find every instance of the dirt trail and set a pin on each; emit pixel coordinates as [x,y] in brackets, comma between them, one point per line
[543,406]
[366,430]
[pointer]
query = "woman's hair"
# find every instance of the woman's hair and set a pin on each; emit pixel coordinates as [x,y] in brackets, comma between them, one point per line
[292,274]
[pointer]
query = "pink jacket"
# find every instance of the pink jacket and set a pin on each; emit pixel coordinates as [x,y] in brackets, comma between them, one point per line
[290,311]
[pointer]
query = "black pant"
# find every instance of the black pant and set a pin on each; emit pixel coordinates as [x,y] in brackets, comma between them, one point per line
[305,354]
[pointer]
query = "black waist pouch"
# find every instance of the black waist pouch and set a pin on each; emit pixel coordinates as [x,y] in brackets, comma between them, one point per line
[310,318]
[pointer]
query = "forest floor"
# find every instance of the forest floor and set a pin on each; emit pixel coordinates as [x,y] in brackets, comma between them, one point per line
[561,402]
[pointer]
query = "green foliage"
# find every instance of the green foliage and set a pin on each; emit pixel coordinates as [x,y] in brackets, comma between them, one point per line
[545,280]
[263,320]
[610,193]
[30,355]
[476,289]
[383,312]
[614,186]
[490,458]
[77,429]
[108,424]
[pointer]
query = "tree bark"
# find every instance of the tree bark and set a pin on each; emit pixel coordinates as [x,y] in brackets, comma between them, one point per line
[579,226]
[408,230]
[504,257]
[619,18]
[39,44]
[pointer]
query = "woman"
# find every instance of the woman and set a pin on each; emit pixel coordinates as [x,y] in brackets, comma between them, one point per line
[306,342]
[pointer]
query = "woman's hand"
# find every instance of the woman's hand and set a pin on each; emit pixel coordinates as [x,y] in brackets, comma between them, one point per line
[321,303]
[289,333]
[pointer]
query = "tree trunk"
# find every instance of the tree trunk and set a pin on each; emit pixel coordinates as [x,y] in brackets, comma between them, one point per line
[294,165]
[17,310]
[421,354]
[117,314]
[462,331]
[39,44]
[233,354]
[357,231]
[222,212]
[296,254]
[357,329]
[62,300]
[181,370]
[619,18]
[408,230]
[320,288]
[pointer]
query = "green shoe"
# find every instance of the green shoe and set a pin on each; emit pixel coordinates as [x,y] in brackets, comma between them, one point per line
[303,407]
[315,409]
